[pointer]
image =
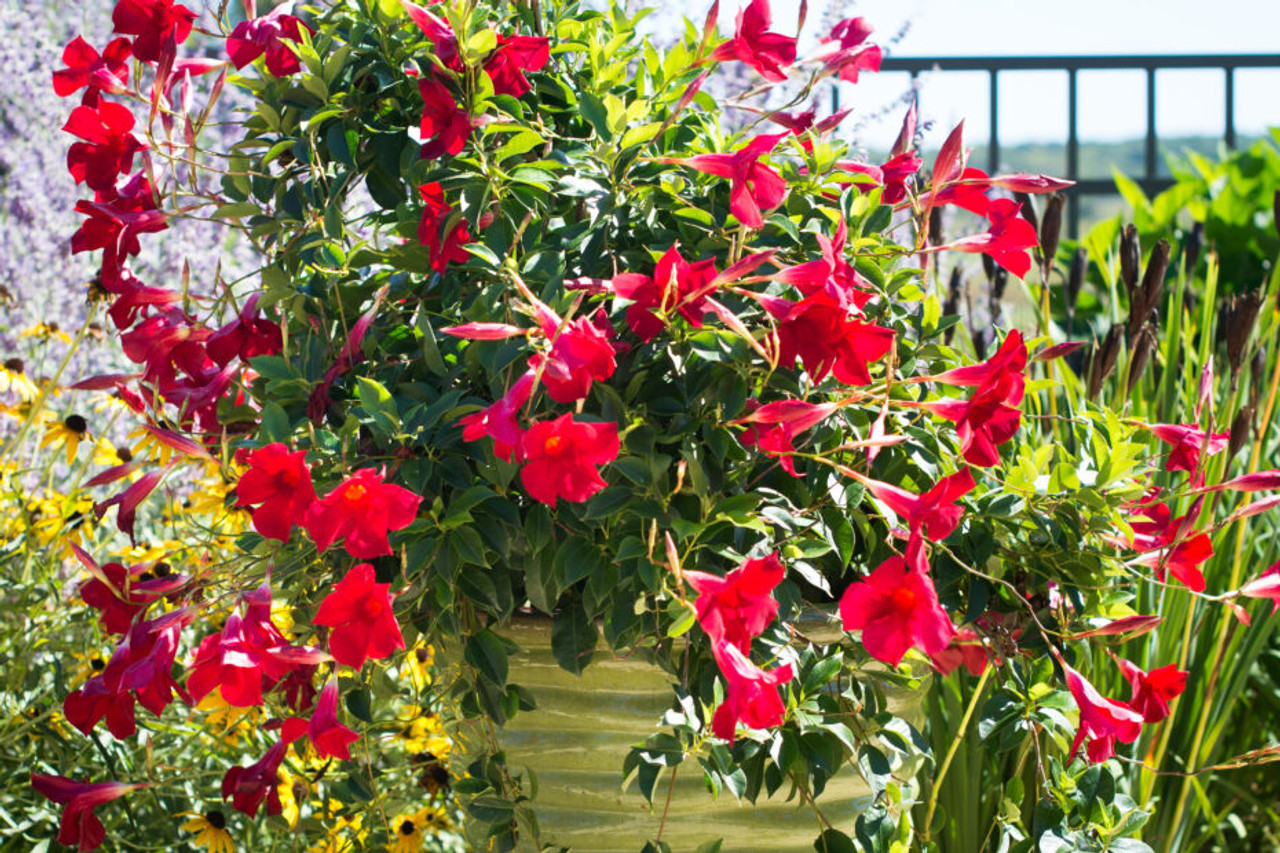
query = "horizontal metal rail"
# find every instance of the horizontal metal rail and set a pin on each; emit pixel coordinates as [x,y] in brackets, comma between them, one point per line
[1072,65]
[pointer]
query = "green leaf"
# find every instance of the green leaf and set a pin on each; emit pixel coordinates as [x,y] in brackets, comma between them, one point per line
[360,703]
[375,399]
[834,841]
[573,638]
[518,144]
[597,115]
[488,654]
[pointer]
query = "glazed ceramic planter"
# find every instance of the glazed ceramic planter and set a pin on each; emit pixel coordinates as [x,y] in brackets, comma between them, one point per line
[583,728]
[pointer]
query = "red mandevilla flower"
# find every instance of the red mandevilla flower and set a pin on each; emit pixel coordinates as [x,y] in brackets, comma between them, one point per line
[96,73]
[249,786]
[1171,546]
[498,420]
[1189,441]
[445,126]
[831,273]
[674,286]
[983,422]
[143,662]
[158,26]
[1102,721]
[966,649]
[92,702]
[118,593]
[935,512]
[441,34]
[968,191]
[754,187]
[846,52]
[822,332]
[737,607]
[580,354]
[363,509]
[752,696]
[280,483]
[773,427]
[756,45]
[1008,241]
[114,222]
[435,216]
[514,56]
[896,609]
[1007,369]
[562,458]
[267,35]
[359,612]
[1266,585]
[246,657]
[1154,690]
[80,827]
[245,337]
[895,173]
[330,737]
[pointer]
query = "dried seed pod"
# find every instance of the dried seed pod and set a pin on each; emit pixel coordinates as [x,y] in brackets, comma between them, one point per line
[998,283]
[1028,205]
[1241,427]
[982,340]
[1143,346]
[1130,258]
[1050,231]
[936,237]
[1145,296]
[1194,246]
[1241,317]
[1103,363]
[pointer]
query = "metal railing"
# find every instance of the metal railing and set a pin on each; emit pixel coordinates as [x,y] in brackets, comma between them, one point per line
[1150,182]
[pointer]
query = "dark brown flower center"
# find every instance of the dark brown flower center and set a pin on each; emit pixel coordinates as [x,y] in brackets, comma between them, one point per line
[407,828]
[216,819]
[76,424]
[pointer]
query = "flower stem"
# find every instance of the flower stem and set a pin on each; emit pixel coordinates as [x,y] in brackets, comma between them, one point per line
[936,788]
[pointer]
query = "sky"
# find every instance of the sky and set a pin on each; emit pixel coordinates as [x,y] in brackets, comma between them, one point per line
[1033,104]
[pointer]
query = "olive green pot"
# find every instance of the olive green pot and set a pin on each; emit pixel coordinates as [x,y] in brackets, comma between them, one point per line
[583,728]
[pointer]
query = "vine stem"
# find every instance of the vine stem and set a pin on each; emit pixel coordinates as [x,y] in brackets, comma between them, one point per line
[671,787]
[951,752]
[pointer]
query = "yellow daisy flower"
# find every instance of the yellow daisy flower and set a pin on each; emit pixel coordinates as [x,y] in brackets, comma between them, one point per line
[14,380]
[434,820]
[292,791]
[406,834]
[418,663]
[108,454]
[87,665]
[228,722]
[45,331]
[71,430]
[342,835]
[422,732]
[211,831]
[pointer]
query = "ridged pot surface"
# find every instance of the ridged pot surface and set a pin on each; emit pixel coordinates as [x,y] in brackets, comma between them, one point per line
[583,728]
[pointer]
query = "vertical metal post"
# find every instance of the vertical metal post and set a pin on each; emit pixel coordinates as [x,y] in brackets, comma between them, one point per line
[1149,160]
[1231,106]
[993,145]
[1073,153]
